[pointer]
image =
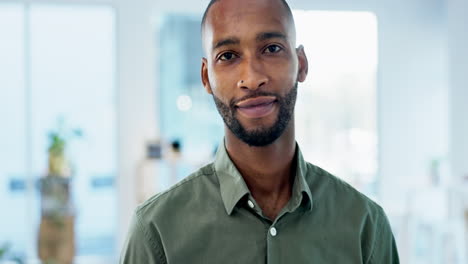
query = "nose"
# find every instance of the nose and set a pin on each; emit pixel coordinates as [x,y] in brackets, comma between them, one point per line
[253,75]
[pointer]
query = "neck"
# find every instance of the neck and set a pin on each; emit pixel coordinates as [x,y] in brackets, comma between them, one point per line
[267,171]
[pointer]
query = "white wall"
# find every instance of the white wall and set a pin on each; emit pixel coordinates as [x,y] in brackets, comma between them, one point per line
[458,95]
[137,97]
[412,95]
[458,43]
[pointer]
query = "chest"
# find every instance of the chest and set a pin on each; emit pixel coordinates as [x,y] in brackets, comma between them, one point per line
[245,238]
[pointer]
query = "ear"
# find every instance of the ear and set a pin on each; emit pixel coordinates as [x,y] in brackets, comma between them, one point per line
[303,64]
[204,76]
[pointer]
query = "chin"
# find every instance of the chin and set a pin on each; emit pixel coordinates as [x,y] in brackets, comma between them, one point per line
[266,122]
[258,126]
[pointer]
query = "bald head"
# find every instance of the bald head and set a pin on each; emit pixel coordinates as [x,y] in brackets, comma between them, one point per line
[285,5]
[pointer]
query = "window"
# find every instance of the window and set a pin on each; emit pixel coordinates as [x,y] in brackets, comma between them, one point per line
[336,117]
[68,54]
[14,226]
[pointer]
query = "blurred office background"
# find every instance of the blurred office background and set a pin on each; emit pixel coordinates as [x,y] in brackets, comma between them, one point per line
[384,107]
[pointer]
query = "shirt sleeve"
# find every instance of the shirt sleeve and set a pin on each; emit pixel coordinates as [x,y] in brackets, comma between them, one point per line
[384,250]
[141,246]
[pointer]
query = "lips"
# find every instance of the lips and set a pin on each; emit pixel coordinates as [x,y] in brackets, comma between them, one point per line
[256,107]
[252,102]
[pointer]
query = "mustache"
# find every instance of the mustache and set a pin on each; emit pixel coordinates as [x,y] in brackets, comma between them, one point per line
[253,94]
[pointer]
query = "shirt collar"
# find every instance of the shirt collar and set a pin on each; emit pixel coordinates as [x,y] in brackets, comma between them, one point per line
[233,186]
[300,188]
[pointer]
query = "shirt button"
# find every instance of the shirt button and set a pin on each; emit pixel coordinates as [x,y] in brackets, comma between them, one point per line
[251,204]
[273,231]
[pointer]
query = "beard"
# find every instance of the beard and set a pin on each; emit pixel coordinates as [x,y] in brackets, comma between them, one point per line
[261,136]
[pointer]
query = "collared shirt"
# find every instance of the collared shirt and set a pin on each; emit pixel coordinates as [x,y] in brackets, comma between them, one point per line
[211,217]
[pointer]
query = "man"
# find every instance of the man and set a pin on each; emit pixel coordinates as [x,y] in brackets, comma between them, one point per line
[259,201]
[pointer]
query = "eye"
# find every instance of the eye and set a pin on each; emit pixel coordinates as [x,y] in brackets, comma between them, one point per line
[273,49]
[227,56]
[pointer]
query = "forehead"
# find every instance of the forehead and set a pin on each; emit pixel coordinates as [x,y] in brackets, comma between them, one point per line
[245,18]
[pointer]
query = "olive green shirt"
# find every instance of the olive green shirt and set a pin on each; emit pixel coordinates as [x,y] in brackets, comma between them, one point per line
[211,217]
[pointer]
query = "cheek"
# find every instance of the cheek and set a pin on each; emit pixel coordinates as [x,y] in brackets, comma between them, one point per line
[222,84]
[294,66]
[285,75]
[285,69]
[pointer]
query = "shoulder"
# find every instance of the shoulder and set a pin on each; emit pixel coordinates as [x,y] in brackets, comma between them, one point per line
[165,212]
[328,189]
[339,200]
[188,193]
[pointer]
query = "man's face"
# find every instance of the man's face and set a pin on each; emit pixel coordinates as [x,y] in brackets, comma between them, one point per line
[252,67]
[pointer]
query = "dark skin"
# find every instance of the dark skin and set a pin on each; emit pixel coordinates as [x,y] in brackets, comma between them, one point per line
[249,46]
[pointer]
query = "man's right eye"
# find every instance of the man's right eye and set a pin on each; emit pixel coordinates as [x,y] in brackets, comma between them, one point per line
[227,56]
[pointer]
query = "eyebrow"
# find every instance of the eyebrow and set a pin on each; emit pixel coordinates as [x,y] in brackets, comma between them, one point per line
[260,37]
[269,35]
[226,42]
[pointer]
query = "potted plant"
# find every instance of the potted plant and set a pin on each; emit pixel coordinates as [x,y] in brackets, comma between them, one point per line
[56,232]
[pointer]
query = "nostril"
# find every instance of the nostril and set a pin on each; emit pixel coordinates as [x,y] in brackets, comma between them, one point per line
[262,84]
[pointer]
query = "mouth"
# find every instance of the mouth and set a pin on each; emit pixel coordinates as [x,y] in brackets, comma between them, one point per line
[257,107]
